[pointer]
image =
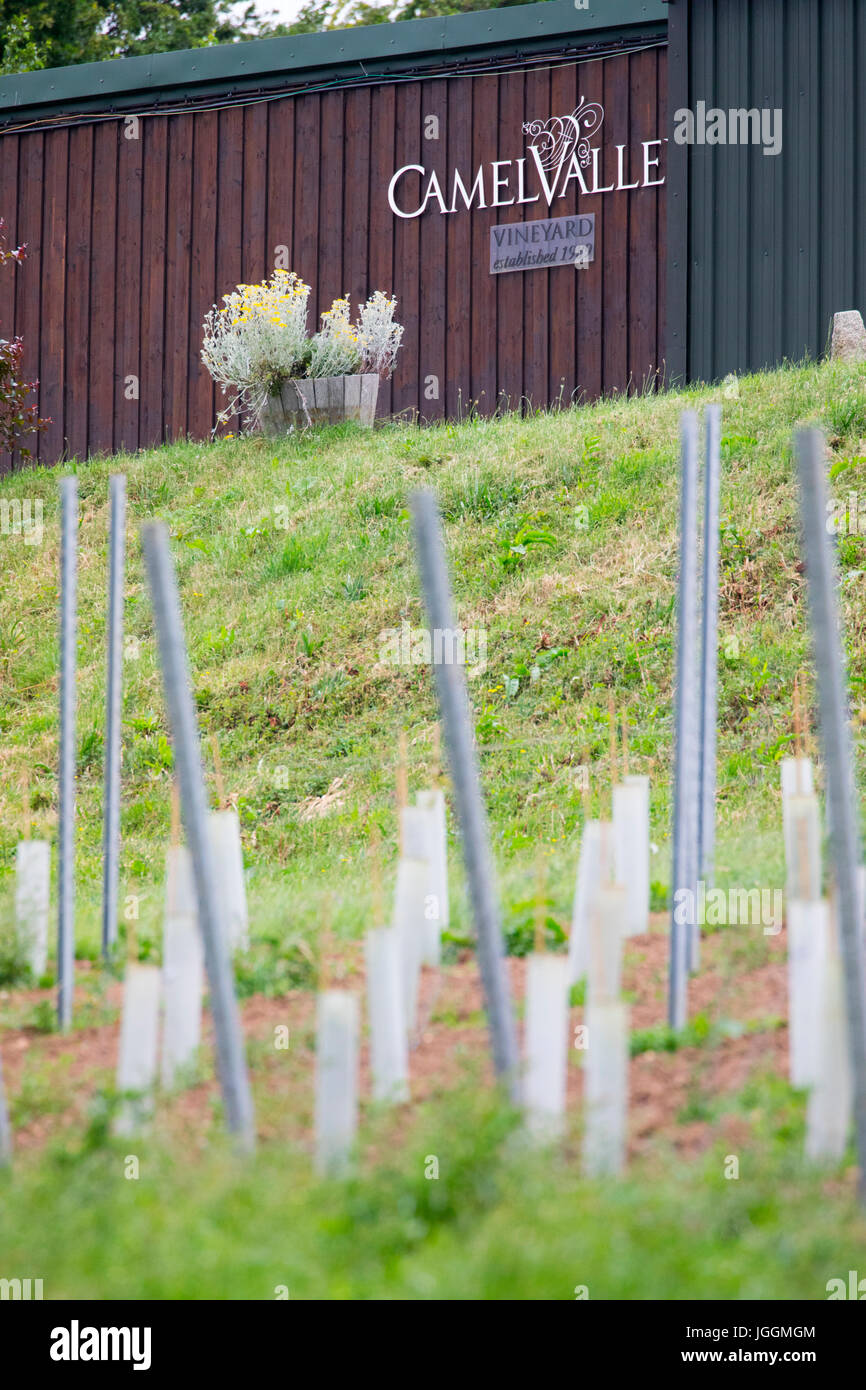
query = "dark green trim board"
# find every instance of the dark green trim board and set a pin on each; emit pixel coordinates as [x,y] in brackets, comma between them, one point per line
[340,56]
[776,244]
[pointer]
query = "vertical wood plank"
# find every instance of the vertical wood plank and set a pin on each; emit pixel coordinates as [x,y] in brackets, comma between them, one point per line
[330,262]
[509,286]
[356,194]
[536,337]
[407,251]
[306,209]
[127,360]
[103,253]
[28,291]
[590,282]
[280,191]
[381,235]
[458,392]
[230,183]
[616,217]
[77,325]
[563,279]
[8,273]
[177,274]
[643,249]
[433,269]
[201,408]
[662,214]
[9,215]
[52,358]
[255,264]
[485,118]
[153,247]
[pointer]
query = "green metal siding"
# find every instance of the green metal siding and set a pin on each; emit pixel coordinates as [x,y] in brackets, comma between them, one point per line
[776,245]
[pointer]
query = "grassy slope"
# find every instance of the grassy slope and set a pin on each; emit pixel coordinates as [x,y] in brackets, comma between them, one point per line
[284,624]
[284,627]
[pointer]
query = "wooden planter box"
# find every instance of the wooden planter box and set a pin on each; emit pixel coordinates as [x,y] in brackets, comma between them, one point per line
[324,400]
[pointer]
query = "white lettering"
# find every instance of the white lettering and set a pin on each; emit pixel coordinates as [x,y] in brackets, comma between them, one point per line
[650,164]
[499,182]
[521,166]
[407,169]
[468,198]
[595,175]
[549,189]
[620,172]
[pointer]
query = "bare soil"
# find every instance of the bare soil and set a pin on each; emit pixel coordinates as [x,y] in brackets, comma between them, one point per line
[53,1080]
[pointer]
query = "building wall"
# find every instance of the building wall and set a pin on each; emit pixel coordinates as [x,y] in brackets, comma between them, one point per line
[775,244]
[132,239]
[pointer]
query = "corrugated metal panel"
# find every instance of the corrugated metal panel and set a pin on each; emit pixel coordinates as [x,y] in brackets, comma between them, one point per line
[676,276]
[776,243]
[802,195]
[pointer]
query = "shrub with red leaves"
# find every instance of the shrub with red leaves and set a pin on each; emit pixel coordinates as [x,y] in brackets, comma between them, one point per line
[17,418]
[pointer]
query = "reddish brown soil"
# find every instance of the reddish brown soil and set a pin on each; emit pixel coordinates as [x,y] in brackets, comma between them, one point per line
[739,981]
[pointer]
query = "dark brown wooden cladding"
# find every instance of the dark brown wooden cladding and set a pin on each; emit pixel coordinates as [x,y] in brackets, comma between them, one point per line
[130,240]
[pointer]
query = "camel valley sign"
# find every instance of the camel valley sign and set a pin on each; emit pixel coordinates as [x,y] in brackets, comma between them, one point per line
[560,155]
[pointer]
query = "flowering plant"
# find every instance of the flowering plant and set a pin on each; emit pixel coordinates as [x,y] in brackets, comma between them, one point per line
[257,340]
[379,337]
[335,350]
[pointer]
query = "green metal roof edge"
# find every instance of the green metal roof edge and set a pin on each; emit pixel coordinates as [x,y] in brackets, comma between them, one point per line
[366,51]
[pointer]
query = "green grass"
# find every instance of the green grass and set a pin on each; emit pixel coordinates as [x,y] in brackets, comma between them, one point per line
[295,557]
[499,1222]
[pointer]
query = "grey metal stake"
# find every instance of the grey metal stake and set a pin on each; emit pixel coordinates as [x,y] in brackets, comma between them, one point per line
[66,771]
[684,878]
[838,754]
[187,754]
[113,695]
[709,648]
[5,1126]
[457,721]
